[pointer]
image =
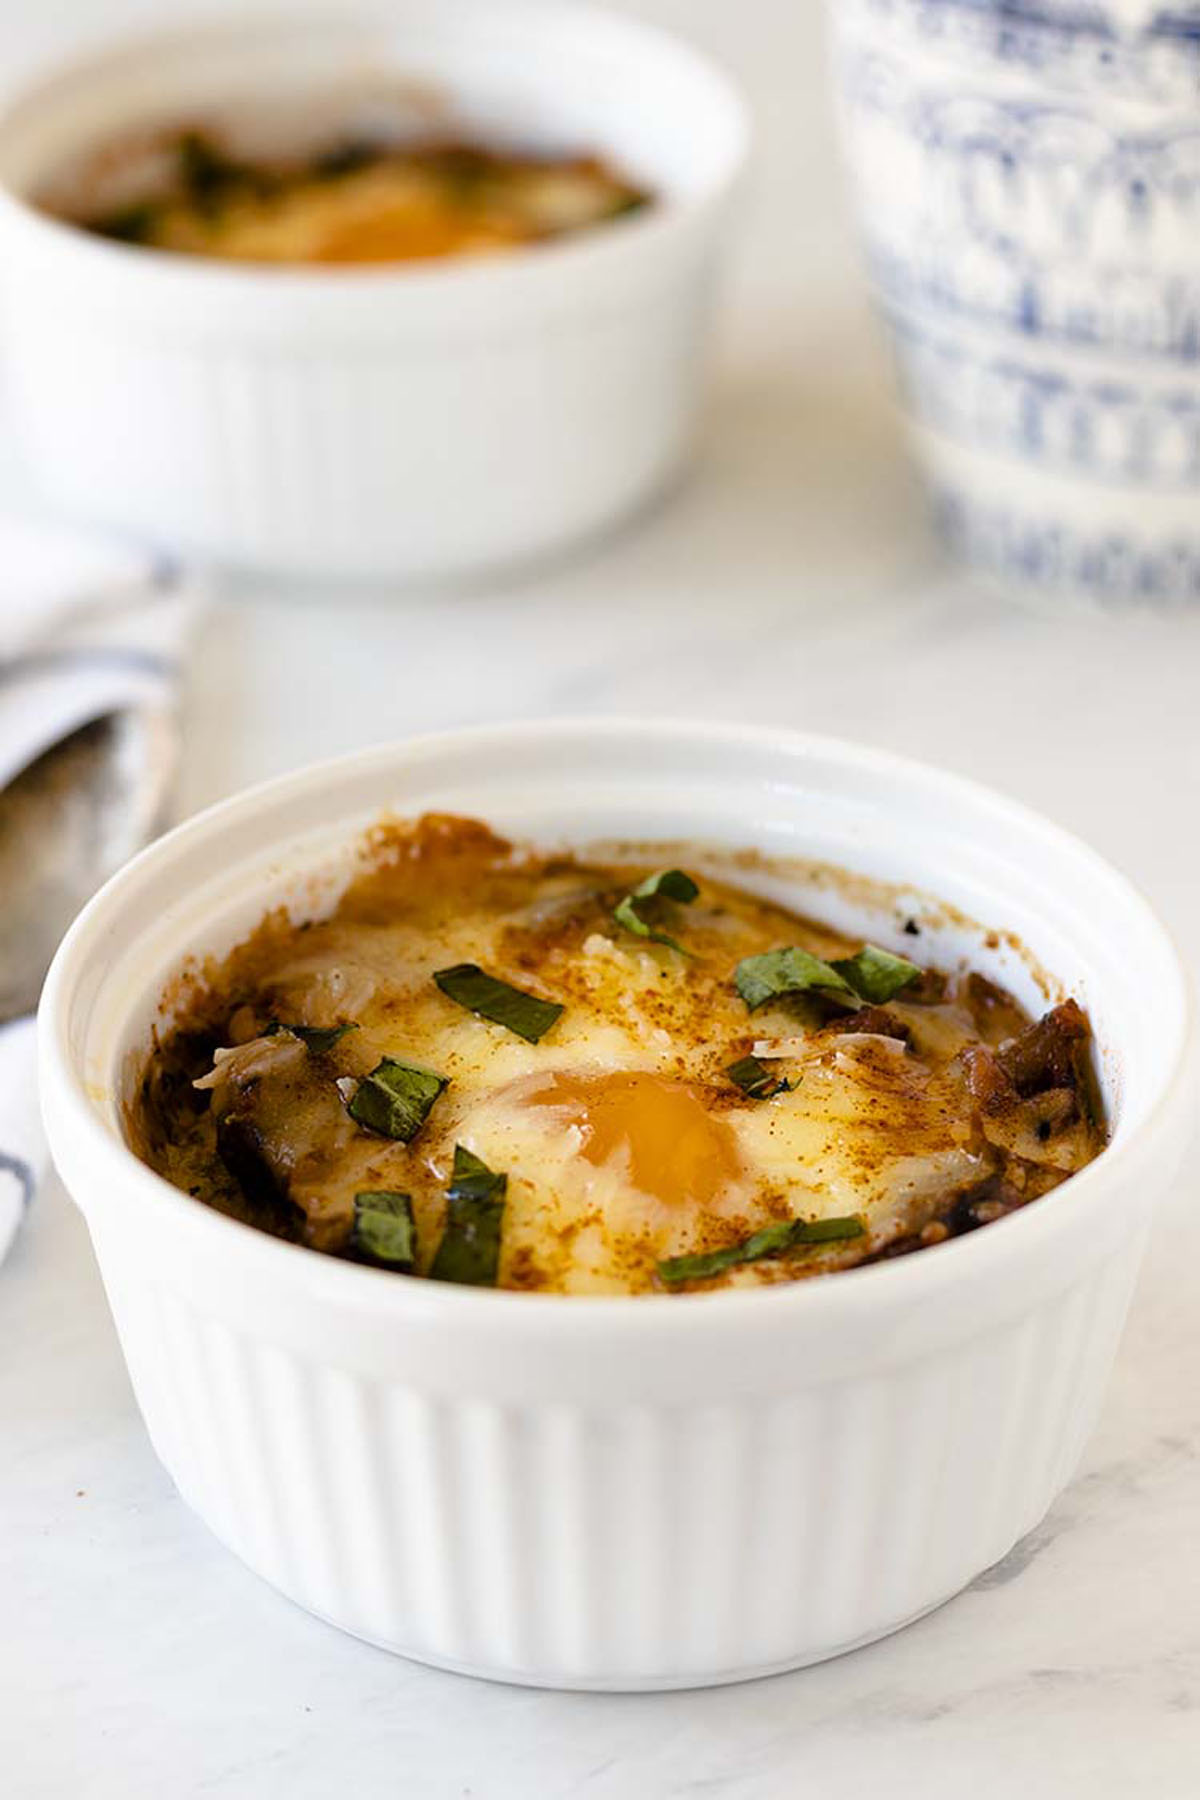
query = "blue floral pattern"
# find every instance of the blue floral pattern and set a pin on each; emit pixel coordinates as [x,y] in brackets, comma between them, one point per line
[1030,182]
[1109,567]
[1109,431]
[1153,55]
[1022,202]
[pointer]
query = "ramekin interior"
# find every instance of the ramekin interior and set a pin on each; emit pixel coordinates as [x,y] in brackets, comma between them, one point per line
[1028,894]
[573,77]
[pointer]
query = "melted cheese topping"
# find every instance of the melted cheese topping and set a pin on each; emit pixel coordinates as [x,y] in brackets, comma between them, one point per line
[622,1138]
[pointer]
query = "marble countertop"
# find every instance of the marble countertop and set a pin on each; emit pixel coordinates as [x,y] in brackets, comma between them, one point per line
[790,580]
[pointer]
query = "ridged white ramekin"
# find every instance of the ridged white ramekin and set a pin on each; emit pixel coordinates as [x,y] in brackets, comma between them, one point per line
[411,421]
[644,1492]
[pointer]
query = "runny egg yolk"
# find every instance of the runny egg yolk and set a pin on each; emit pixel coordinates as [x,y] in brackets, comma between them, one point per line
[671,1147]
[407,232]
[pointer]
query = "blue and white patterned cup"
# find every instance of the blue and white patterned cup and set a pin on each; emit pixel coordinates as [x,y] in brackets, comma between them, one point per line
[1029,181]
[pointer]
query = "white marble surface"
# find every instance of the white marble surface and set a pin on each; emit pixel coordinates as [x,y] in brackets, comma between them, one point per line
[790,580]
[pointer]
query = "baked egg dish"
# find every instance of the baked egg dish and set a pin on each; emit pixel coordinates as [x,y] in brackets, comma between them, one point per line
[360,200]
[498,1066]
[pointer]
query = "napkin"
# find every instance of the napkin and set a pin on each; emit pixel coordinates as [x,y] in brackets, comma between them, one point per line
[87,628]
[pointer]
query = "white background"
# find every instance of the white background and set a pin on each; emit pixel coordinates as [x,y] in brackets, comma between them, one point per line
[791,581]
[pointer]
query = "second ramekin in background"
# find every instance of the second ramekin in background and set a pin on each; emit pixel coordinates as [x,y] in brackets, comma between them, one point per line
[642,1492]
[418,420]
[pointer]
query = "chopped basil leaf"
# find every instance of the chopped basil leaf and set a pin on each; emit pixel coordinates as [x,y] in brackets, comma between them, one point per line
[791,971]
[772,1240]
[768,1242]
[672,884]
[132,224]
[317,1039]
[628,919]
[755,1079]
[873,975]
[668,884]
[346,158]
[827,1231]
[469,1252]
[524,1014]
[395,1099]
[876,974]
[384,1229]
[471,1179]
[205,173]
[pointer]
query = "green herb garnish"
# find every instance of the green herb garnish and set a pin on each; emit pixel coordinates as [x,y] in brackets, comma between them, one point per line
[470,987]
[829,1231]
[471,1179]
[755,1079]
[791,971]
[204,171]
[772,1240]
[345,158]
[395,1099]
[317,1039]
[630,202]
[876,975]
[469,1252]
[384,1230]
[667,884]
[134,224]
[462,170]
[873,975]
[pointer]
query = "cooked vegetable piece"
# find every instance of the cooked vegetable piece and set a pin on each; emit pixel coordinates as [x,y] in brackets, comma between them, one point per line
[384,1230]
[994,1012]
[469,1252]
[667,884]
[871,1021]
[317,1039]
[755,1079]
[983,1204]
[471,987]
[1047,1053]
[395,1098]
[772,1240]
[873,975]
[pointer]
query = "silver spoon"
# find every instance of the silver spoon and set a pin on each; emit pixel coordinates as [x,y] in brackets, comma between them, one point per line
[67,823]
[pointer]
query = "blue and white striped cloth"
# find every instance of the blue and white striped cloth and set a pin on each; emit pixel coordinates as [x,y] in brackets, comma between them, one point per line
[87,628]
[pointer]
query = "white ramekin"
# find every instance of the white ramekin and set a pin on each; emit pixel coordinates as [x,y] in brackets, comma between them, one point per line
[416,421]
[646,1492]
